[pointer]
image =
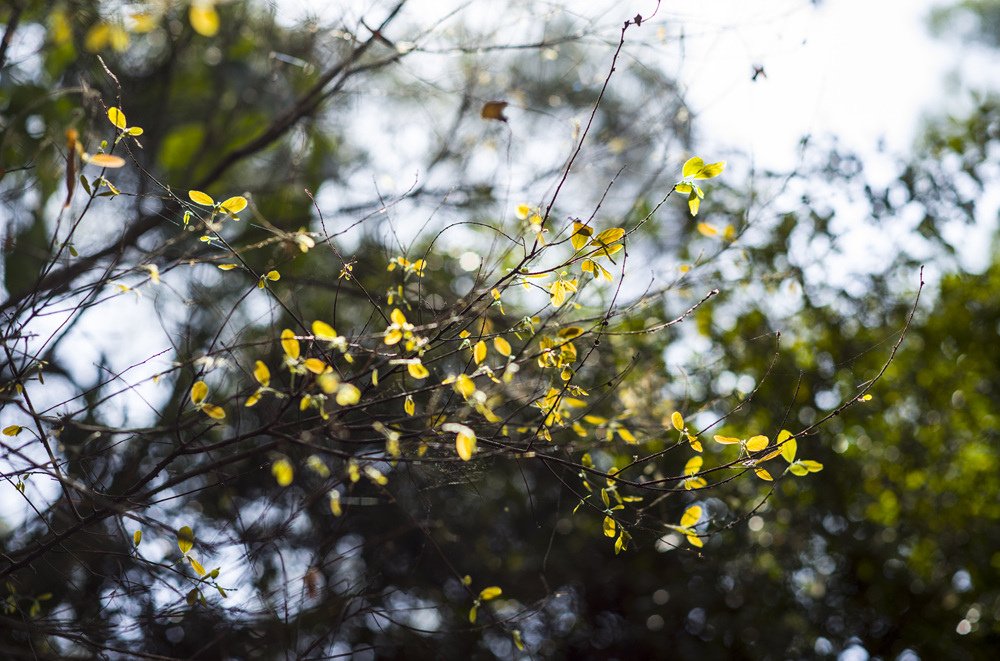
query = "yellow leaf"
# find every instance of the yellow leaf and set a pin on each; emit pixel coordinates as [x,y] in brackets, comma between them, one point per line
[693,465]
[626,435]
[570,332]
[465,444]
[262,373]
[677,420]
[711,170]
[694,540]
[788,444]
[198,392]
[581,234]
[252,399]
[106,161]
[137,537]
[185,539]
[201,198]
[707,230]
[518,643]
[393,336]
[213,411]
[472,614]
[465,386]
[135,131]
[811,466]
[12,430]
[397,317]
[479,352]
[502,346]
[798,469]
[609,527]
[608,236]
[691,166]
[273,275]
[348,394]
[335,503]
[491,592]
[204,19]
[417,370]
[227,267]
[283,472]
[409,406]
[691,516]
[726,440]
[315,365]
[694,203]
[290,344]
[757,443]
[197,566]
[323,331]
[329,382]
[117,117]
[763,474]
[234,205]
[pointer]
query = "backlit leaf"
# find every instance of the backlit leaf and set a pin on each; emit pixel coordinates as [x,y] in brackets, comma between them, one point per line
[417,370]
[465,444]
[788,444]
[198,392]
[213,411]
[348,394]
[491,592]
[106,161]
[763,474]
[691,166]
[203,199]
[262,373]
[315,365]
[677,420]
[204,19]
[811,466]
[757,443]
[479,352]
[197,566]
[117,117]
[726,440]
[234,204]
[185,539]
[691,516]
[289,344]
[502,346]
[283,472]
[323,330]
[609,527]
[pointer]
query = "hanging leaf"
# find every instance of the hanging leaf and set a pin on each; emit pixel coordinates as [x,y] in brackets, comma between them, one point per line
[185,539]
[204,19]
[479,352]
[198,392]
[289,344]
[117,117]
[677,420]
[283,472]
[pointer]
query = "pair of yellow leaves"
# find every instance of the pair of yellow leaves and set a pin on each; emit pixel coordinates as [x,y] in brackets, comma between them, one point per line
[199,393]
[185,542]
[486,594]
[232,205]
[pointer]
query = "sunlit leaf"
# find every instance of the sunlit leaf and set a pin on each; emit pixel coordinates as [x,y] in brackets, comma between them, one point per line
[204,19]
[289,344]
[106,161]
[472,614]
[335,507]
[203,199]
[198,392]
[323,331]
[609,527]
[409,405]
[788,444]
[502,346]
[763,474]
[757,443]
[694,540]
[417,370]
[283,472]
[348,394]
[491,592]
[798,469]
[479,352]
[185,539]
[677,420]
[707,230]
[465,386]
[691,166]
[691,516]
[12,430]
[262,373]
[811,466]
[726,440]
[213,411]
[315,365]
[693,465]
[197,566]
[234,205]
[465,444]
[117,117]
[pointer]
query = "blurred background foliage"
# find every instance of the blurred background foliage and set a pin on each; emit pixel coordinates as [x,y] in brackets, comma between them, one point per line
[893,551]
